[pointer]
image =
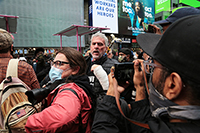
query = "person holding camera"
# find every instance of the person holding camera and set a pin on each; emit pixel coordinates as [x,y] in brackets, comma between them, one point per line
[70,102]
[170,102]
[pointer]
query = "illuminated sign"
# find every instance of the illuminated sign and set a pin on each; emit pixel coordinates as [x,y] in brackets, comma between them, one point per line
[162,5]
[131,15]
[134,41]
[126,40]
[103,13]
[193,3]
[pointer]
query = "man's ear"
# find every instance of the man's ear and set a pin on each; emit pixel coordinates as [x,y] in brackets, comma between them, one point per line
[75,70]
[173,86]
[107,48]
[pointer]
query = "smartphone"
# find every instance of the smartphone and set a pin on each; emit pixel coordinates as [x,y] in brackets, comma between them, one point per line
[151,29]
[148,28]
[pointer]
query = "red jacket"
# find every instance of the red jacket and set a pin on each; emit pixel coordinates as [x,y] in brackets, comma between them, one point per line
[63,114]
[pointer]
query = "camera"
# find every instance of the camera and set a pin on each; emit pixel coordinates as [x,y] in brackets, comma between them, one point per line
[37,95]
[124,71]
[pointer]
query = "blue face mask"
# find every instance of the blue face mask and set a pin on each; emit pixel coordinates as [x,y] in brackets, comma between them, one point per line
[55,73]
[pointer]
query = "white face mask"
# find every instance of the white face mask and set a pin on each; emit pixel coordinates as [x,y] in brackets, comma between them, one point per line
[122,58]
[56,73]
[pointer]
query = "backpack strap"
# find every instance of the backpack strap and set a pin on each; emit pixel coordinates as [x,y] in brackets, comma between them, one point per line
[81,128]
[12,69]
[70,90]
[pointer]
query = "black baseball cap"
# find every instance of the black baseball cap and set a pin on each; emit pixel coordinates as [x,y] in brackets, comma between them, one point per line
[179,13]
[38,50]
[126,51]
[178,49]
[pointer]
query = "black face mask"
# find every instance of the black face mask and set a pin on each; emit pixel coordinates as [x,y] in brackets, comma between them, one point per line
[160,105]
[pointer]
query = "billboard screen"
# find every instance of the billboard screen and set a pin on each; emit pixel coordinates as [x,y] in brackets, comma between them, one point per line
[131,15]
[39,20]
[162,5]
[193,3]
[103,13]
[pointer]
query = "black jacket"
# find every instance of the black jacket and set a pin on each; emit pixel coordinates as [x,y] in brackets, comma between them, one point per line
[106,63]
[108,119]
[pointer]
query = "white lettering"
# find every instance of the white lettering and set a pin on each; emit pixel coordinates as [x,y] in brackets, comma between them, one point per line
[91,78]
[124,3]
[161,2]
[148,15]
[126,10]
[148,9]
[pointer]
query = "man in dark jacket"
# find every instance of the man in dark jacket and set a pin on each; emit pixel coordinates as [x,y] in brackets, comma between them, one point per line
[98,48]
[125,55]
[173,101]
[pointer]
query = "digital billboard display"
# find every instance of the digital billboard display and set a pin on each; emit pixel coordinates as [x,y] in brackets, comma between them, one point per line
[131,15]
[162,5]
[193,3]
[39,20]
[103,13]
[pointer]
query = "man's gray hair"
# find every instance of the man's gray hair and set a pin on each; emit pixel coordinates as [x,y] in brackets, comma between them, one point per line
[101,35]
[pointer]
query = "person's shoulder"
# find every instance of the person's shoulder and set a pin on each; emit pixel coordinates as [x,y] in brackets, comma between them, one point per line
[87,58]
[74,88]
[112,60]
[108,64]
[24,64]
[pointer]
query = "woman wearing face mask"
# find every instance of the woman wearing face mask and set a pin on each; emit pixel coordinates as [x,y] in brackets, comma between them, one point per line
[69,105]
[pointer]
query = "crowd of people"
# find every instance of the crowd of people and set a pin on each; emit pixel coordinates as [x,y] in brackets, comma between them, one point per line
[161,95]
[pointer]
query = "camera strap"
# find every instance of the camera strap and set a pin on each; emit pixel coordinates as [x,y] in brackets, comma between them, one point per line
[144,125]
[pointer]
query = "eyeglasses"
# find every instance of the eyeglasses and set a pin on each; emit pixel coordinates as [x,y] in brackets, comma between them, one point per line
[99,44]
[149,66]
[58,63]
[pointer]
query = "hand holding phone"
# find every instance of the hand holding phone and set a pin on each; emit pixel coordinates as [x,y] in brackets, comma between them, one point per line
[151,28]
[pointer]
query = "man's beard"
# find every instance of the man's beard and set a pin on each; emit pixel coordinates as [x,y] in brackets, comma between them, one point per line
[98,56]
[160,85]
